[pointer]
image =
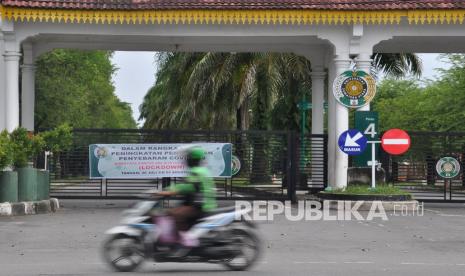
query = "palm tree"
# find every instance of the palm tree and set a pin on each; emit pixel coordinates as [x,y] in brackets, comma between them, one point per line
[218,90]
[199,90]
[164,105]
[226,82]
[397,65]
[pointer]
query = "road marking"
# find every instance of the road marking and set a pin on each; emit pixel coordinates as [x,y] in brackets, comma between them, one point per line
[330,262]
[321,262]
[359,262]
[429,264]
[369,262]
[31,250]
[451,215]
[439,213]
[48,264]
[433,211]
[12,223]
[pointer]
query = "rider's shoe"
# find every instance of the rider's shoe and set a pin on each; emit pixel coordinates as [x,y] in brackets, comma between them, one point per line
[187,239]
[185,243]
[180,251]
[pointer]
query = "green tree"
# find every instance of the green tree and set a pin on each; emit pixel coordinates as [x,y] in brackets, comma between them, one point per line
[75,87]
[432,106]
[241,91]
[6,150]
[58,139]
[398,104]
[25,146]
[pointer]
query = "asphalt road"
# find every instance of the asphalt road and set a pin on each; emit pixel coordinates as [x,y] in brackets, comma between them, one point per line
[68,243]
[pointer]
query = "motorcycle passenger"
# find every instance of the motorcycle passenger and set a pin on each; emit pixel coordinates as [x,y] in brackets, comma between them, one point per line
[198,193]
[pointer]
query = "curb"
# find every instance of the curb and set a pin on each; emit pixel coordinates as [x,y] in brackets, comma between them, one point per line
[410,205]
[29,207]
[373,197]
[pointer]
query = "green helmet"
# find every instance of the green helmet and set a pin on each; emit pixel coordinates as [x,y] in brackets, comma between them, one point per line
[195,153]
[194,156]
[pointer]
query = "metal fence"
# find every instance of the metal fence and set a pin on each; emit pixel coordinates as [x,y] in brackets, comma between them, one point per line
[312,158]
[274,164]
[269,162]
[415,171]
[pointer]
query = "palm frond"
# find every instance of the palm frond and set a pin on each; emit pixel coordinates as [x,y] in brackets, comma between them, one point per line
[398,65]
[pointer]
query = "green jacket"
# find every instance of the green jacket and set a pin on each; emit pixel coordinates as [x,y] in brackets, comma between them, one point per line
[207,187]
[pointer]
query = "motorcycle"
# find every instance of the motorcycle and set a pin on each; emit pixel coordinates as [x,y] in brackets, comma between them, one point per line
[221,238]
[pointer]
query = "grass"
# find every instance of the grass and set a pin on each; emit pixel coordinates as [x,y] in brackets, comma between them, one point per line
[366,190]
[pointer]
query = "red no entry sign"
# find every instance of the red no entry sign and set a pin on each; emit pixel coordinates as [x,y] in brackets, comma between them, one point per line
[395,141]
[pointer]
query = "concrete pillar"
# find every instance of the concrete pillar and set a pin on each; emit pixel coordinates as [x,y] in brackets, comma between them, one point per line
[331,123]
[12,89]
[341,64]
[363,63]
[318,89]
[27,96]
[2,85]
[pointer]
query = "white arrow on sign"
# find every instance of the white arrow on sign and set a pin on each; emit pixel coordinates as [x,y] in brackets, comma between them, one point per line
[395,141]
[351,141]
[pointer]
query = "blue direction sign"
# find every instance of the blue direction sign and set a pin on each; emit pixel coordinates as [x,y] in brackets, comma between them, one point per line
[352,142]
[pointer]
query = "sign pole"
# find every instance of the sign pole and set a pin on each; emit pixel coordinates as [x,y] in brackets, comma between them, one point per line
[373,166]
[445,188]
[450,189]
[367,123]
[373,163]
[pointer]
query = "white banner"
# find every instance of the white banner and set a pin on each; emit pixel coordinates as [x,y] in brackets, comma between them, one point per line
[146,161]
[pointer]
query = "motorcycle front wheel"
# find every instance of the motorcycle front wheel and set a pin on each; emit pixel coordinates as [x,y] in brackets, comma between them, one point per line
[249,247]
[123,253]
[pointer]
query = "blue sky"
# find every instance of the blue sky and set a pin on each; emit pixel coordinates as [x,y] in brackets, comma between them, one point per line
[136,74]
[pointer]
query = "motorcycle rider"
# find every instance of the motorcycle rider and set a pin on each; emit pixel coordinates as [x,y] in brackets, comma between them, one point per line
[198,193]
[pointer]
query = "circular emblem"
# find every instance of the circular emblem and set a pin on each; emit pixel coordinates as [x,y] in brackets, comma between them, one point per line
[101,152]
[448,167]
[235,165]
[354,88]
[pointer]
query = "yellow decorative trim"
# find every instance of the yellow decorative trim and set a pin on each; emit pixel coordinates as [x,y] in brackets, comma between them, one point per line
[232,16]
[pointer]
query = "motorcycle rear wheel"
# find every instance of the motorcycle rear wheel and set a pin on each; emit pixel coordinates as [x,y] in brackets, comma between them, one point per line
[244,240]
[123,253]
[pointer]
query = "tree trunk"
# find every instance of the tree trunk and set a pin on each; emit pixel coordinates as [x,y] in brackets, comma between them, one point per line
[241,140]
[260,168]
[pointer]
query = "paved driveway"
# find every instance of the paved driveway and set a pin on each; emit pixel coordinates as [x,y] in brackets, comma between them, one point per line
[68,243]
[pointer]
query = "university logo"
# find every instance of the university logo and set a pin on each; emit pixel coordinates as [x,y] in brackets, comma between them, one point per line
[354,89]
[235,165]
[448,167]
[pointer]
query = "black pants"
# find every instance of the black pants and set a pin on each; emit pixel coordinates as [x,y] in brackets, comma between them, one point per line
[185,216]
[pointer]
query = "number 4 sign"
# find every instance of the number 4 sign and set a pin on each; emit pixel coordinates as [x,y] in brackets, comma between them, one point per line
[370,131]
[367,123]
